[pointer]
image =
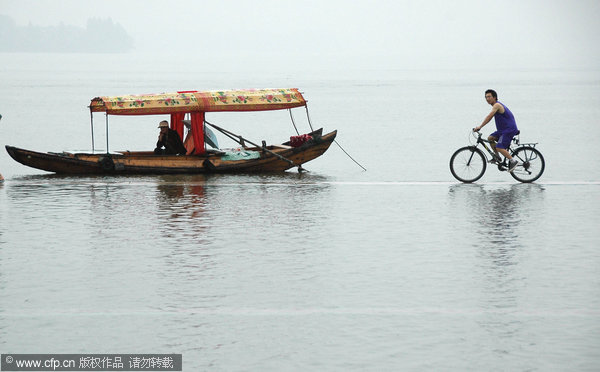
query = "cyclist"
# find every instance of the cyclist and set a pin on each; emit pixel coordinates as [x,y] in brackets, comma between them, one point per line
[506,127]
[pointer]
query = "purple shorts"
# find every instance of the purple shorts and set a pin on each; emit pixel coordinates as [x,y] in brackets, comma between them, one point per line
[504,138]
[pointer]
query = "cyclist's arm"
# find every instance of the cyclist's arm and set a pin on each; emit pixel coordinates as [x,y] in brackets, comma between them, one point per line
[487,119]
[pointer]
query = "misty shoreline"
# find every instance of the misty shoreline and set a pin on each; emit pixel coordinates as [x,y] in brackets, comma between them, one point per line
[99,36]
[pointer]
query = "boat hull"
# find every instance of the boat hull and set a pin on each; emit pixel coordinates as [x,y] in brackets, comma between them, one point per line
[148,163]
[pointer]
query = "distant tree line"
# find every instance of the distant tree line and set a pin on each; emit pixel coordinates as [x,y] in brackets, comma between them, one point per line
[99,36]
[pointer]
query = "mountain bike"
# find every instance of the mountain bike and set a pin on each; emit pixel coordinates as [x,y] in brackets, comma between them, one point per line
[468,164]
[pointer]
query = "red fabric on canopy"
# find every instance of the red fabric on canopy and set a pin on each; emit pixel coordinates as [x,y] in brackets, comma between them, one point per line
[177,123]
[198,131]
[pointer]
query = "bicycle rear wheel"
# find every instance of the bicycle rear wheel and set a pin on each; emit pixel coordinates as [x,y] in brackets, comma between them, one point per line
[468,164]
[531,164]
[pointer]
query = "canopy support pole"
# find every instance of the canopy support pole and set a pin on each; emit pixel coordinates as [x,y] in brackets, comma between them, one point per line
[107,133]
[293,122]
[92,127]
[308,116]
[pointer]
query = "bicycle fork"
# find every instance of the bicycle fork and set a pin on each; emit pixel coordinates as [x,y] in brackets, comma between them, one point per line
[471,157]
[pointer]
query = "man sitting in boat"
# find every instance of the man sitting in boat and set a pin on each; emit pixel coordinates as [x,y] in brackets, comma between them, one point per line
[169,142]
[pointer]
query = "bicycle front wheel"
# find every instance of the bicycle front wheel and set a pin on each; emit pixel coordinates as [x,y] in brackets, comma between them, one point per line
[531,164]
[468,164]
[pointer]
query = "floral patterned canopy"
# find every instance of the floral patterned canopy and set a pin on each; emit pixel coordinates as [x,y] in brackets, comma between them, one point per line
[195,101]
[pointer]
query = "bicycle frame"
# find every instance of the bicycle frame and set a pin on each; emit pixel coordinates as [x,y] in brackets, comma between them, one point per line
[510,149]
[485,146]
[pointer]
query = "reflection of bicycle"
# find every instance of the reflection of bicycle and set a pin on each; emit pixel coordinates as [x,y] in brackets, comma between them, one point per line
[468,163]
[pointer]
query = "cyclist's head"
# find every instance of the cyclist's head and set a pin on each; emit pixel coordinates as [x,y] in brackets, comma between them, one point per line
[492,92]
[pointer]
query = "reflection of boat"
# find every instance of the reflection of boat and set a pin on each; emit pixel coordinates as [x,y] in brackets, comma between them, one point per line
[256,158]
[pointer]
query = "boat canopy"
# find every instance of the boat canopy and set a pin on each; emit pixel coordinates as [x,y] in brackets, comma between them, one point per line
[195,101]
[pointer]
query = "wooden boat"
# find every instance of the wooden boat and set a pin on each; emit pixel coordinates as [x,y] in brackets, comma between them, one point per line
[199,159]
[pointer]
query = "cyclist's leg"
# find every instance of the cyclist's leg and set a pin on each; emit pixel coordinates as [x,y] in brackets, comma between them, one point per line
[504,153]
[493,138]
[504,143]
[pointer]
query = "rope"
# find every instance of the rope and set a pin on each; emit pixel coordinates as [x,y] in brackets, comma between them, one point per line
[345,152]
[336,142]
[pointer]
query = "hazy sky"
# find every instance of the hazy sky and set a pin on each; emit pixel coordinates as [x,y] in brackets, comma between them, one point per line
[506,33]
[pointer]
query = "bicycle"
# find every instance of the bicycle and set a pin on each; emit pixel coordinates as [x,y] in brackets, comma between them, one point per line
[468,164]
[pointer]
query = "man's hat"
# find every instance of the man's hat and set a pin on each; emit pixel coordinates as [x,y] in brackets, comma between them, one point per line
[163,124]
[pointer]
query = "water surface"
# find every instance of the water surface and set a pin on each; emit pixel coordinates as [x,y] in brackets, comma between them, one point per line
[399,267]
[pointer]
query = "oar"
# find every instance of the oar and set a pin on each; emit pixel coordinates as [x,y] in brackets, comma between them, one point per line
[241,141]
